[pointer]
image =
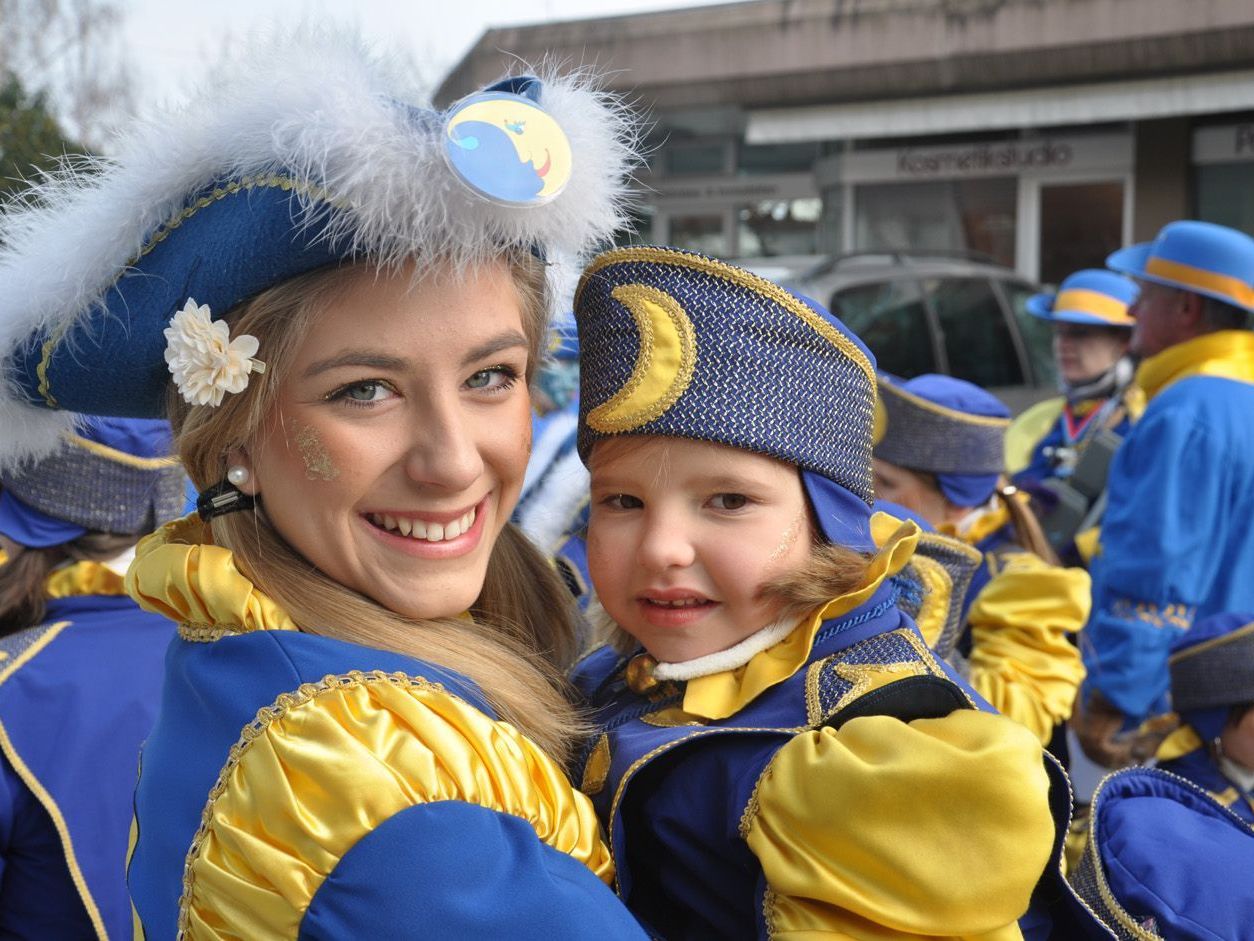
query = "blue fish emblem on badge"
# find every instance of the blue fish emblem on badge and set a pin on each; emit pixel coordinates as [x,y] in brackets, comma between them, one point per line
[507,149]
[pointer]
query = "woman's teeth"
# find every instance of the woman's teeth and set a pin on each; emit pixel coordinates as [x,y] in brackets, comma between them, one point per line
[417,529]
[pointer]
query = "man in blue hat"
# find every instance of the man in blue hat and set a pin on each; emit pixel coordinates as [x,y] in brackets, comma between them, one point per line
[1176,541]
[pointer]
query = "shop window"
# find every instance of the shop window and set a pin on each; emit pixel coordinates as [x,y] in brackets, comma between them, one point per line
[1225,194]
[776,158]
[943,215]
[1081,224]
[696,158]
[890,318]
[699,233]
[779,227]
[976,335]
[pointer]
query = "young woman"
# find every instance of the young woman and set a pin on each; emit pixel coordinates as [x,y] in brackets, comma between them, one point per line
[80,673]
[339,298]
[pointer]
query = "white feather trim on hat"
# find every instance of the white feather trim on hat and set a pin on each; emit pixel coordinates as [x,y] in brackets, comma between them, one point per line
[319,108]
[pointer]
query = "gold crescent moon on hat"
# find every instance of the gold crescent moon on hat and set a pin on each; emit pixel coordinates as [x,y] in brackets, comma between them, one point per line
[664,365]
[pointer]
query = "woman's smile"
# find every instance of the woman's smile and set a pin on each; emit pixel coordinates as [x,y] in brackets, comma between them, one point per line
[430,535]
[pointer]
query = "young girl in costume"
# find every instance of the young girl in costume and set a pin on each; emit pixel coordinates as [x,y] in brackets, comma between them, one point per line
[339,297]
[940,454]
[80,673]
[780,754]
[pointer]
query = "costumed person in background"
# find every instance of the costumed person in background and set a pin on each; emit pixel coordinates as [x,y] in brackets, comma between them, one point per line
[1092,329]
[780,752]
[939,454]
[363,721]
[554,501]
[80,674]
[1212,690]
[1176,544]
[1165,860]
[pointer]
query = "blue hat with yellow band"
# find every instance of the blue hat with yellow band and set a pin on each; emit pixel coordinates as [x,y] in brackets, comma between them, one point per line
[946,427]
[114,476]
[1208,259]
[677,344]
[1093,297]
[301,159]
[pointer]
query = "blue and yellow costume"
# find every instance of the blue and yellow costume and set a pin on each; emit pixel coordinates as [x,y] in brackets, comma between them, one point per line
[835,779]
[1165,861]
[1021,613]
[1093,298]
[1212,672]
[1176,542]
[79,691]
[297,786]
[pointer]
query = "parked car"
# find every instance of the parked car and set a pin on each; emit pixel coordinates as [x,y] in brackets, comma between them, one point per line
[957,314]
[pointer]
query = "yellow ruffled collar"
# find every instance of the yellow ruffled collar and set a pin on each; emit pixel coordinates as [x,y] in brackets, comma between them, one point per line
[720,695]
[84,578]
[197,584]
[1228,354]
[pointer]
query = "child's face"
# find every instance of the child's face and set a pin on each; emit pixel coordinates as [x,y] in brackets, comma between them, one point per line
[683,535]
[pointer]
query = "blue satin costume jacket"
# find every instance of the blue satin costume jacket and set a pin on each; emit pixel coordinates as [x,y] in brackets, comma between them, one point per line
[78,694]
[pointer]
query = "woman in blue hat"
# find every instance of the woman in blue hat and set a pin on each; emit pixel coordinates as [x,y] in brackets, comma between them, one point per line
[80,673]
[339,298]
[780,755]
[940,453]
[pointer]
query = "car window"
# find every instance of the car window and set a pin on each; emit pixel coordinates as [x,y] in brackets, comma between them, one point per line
[890,318]
[977,337]
[1037,334]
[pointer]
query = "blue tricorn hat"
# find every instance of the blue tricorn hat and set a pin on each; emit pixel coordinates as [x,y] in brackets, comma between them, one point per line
[674,343]
[115,476]
[946,427]
[1166,860]
[306,156]
[1208,259]
[1094,297]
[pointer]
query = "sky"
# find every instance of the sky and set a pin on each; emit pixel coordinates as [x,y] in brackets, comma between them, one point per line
[171,43]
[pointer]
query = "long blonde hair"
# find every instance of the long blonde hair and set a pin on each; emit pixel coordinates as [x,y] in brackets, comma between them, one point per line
[522,636]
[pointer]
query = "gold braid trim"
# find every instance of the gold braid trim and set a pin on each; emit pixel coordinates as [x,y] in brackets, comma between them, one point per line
[267,715]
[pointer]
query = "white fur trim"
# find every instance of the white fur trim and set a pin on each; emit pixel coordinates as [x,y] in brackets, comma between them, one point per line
[323,108]
[723,660]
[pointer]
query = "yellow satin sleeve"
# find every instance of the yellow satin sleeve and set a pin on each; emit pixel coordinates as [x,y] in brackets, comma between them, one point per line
[331,761]
[1022,660]
[938,828]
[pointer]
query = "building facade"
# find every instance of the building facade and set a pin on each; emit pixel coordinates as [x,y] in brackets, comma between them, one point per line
[1042,133]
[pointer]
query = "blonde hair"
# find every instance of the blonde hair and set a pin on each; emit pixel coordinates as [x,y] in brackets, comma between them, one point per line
[522,636]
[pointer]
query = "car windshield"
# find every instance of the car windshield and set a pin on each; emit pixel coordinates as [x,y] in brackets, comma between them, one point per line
[890,318]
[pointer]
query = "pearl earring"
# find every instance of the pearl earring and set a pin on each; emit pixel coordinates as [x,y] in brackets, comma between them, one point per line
[237,475]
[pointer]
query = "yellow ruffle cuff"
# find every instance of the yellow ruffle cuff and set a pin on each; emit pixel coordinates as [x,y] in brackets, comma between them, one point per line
[938,828]
[720,695]
[198,585]
[1022,659]
[328,763]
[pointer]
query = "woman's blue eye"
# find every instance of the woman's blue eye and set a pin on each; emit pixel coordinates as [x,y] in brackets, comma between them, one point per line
[366,391]
[497,377]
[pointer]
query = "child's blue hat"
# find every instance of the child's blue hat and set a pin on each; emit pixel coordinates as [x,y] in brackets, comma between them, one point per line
[1212,670]
[675,343]
[1166,860]
[114,476]
[1201,257]
[307,155]
[1093,296]
[946,427]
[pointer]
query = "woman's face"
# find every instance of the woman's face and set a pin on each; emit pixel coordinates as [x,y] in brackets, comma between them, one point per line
[396,450]
[1083,352]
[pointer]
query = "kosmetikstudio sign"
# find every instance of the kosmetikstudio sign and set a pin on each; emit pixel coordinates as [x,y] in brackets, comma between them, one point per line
[1001,158]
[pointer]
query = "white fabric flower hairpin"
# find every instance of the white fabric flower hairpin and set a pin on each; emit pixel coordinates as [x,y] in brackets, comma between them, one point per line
[205,361]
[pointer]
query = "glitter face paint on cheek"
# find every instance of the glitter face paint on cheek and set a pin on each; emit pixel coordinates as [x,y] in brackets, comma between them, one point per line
[317,460]
[788,539]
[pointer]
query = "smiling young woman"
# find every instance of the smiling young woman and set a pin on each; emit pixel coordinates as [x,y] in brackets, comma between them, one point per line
[363,715]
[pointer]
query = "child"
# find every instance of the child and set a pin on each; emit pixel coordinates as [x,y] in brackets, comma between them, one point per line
[756,770]
[940,454]
[1212,690]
